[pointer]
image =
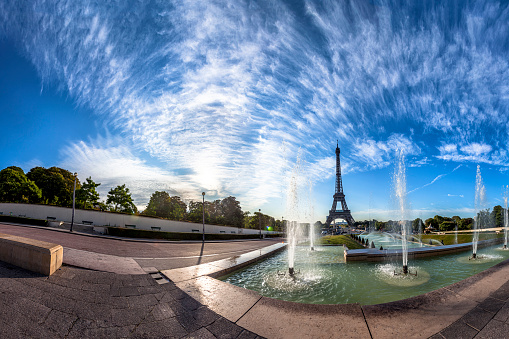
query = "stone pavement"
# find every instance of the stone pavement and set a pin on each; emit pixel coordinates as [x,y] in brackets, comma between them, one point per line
[80,303]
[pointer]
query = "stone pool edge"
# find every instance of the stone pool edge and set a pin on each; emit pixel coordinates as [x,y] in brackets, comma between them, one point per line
[417,317]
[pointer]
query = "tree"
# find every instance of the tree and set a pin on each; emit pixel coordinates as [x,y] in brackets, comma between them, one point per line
[439,219]
[56,184]
[121,200]
[447,226]
[466,224]
[164,206]
[178,208]
[87,196]
[195,213]
[159,205]
[497,217]
[416,225]
[16,187]
[431,222]
[232,211]
[456,219]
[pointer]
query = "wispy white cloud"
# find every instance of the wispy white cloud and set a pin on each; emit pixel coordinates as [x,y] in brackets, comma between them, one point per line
[438,177]
[473,152]
[111,162]
[234,93]
[378,154]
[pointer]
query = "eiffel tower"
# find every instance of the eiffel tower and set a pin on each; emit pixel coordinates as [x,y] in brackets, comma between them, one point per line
[339,196]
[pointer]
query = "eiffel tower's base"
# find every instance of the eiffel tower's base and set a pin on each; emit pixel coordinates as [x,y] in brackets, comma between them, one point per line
[340,215]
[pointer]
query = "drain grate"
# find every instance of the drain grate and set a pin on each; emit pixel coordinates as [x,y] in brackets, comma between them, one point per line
[159,278]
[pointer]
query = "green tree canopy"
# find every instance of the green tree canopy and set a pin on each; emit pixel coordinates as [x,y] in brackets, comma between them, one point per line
[120,200]
[87,196]
[497,217]
[56,184]
[232,211]
[466,224]
[431,222]
[416,224]
[447,226]
[16,187]
[164,206]
[195,211]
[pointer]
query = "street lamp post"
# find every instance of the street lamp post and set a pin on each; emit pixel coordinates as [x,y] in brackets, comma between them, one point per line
[73,200]
[260,219]
[203,211]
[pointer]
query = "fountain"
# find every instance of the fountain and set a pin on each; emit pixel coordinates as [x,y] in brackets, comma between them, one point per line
[456,233]
[420,231]
[480,200]
[311,238]
[399,182]
[292,242]
[506,216]
[327,277]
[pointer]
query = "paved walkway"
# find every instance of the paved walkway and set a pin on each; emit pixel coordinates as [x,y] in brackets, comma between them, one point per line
[77,302]
[162,255]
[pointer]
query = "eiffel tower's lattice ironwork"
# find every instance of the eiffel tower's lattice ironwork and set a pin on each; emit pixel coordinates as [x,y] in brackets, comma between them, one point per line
[339,196]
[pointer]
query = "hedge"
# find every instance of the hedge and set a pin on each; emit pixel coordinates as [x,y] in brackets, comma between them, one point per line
[23,220]
[134,233]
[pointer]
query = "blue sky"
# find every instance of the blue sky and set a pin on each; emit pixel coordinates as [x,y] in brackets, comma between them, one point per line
[248,99]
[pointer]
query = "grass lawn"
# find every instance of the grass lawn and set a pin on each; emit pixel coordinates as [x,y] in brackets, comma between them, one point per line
[449,239]
[338,240]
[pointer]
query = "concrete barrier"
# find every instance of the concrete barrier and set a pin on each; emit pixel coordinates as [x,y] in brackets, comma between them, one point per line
[373,254]
[34,255]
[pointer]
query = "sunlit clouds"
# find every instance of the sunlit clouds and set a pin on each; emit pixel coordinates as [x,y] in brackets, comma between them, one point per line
[226,96]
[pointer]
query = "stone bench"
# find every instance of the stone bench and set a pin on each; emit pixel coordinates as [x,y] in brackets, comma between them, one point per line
[34,255]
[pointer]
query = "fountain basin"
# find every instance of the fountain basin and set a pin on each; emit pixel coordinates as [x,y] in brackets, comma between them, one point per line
[326,278]
[373,254]
[420,316]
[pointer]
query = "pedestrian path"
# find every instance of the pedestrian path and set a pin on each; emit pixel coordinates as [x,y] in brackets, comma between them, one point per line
[128,302]
[80,303]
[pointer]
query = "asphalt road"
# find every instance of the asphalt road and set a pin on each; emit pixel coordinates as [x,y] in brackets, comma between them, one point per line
[161,255]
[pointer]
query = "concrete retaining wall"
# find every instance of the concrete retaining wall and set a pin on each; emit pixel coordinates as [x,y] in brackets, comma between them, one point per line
[34,255]
[373,254]
[98,218]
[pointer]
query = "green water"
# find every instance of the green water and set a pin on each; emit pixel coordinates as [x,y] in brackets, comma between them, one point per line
[325,278]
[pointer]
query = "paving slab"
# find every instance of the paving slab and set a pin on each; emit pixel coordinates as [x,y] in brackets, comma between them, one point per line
[221,297]
[494,329]
[101,262]
[274,318]
[459,330]
[187,273]
[418,317]
[480,286]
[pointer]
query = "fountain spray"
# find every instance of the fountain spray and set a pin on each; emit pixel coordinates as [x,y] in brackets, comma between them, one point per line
[420,231]
[506,216]
[311,216]
[399,182]
[292,210]
[480,199]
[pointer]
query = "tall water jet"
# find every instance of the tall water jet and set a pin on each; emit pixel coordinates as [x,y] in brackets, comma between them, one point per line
[506,216]
[311,217]
[480,199]
[311,237]
[420,231]
[292,242]
[456,233]
[399,183]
